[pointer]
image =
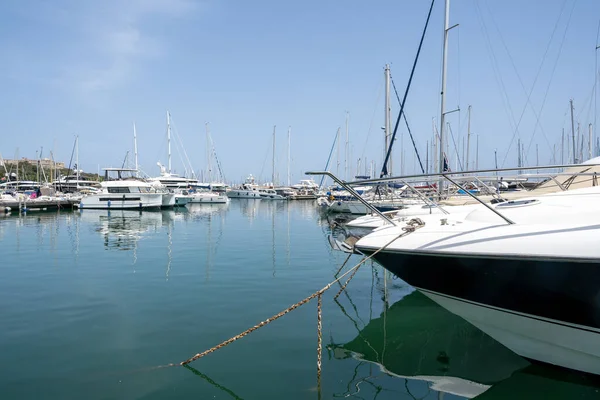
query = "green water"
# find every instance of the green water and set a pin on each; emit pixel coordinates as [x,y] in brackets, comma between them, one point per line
[92,302]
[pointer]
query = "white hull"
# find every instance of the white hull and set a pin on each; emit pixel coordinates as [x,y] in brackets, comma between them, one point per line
[210,198]
[243,194]
[106,201]
[182,200]
[554,342]
[168,200]
[267,196]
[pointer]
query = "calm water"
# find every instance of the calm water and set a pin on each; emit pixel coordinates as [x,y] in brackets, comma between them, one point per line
[91,302]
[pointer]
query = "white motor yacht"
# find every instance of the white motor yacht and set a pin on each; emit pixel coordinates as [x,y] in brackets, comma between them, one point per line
[123,193]
[248,190]
[208,197]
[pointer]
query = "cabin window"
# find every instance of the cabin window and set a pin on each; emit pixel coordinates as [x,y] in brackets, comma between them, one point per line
[118,190]
[518,203]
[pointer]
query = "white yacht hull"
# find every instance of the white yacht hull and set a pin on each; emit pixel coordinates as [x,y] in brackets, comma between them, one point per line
[182,200]
[547,340]
[106,201]
[209,198]
[533,285]
[168,200]
[267,196]
[243,194]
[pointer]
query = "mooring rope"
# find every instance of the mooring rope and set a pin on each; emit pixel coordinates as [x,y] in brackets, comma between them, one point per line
[343,265]
[346,284]
[406,230]
[319,342]
[287,310]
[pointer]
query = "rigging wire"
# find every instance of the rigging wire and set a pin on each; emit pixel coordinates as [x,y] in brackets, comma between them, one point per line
[460,165]
[596,74]
[379,93]
[497,75]
[407,126]
[528,94]
[189,164]
[384,170]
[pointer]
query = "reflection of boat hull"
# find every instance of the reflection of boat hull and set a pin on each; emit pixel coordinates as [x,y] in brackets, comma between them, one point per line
[418,340]
[108,201]
[541,309]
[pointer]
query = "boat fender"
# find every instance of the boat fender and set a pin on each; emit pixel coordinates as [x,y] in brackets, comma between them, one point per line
[108,204]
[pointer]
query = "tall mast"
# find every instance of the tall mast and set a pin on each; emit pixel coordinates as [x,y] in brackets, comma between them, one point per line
[477,154]
[273,177]
[573,133]
[562,148]
[135,151]
[169,141]
[77,159]
[519,160]
[443,92]
[427,157]
[208,177]
[337,170]
[289,176]
[388,122]
[434,145]
[468,136]
[591,139]
[347,148]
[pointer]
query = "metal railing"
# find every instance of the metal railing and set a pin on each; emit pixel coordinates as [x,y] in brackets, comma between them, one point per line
[456,177]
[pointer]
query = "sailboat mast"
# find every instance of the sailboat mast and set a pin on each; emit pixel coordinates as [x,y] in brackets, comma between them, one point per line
[273,176]
[562,147]
[443,92]
[477,154]
[347,148]
[289,176]
[468,136]
[337,170]
[388,122]
[169,141]
[135,151]
[77,160]
[573,133]
[208,176]
[590,141]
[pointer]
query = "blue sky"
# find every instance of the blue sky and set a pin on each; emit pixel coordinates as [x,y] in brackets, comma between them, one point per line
[93,68]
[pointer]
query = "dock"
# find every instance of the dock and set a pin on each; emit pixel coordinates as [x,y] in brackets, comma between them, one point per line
[8,206]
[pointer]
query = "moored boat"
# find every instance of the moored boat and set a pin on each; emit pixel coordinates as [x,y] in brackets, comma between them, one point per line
[528,276]
[123,193]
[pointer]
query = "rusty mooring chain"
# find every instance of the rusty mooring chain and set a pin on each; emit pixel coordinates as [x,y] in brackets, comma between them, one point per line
[345,284]
[319,342]
[287,310]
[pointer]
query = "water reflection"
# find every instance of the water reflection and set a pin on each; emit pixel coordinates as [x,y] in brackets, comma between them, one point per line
[122,229]
[196,211]
[435,352]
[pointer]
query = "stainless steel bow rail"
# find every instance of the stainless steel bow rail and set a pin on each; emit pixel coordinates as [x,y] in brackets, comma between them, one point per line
[456,176]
